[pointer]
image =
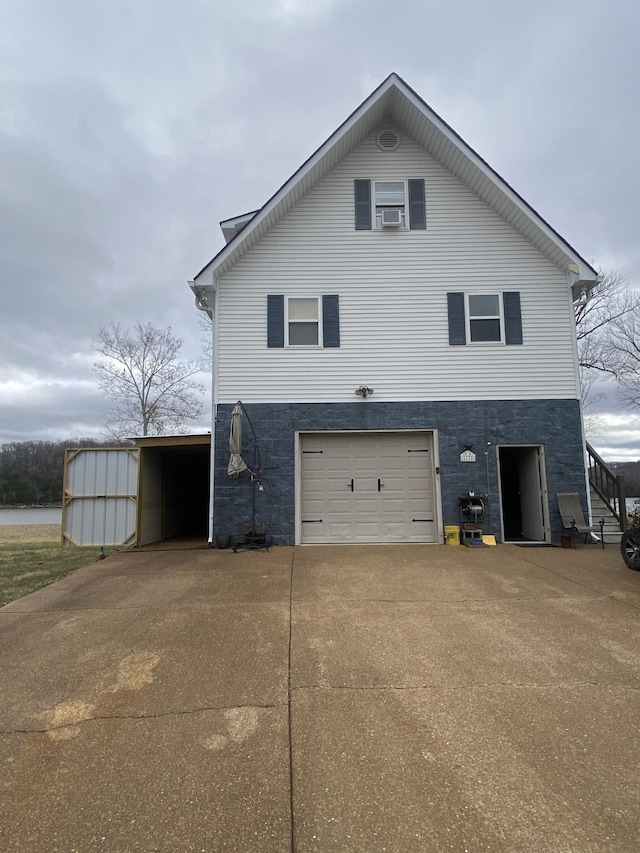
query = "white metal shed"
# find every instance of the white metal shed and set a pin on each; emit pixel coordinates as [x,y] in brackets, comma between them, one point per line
[156,490]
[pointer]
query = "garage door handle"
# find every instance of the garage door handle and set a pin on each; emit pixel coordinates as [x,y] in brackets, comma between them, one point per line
[380,485]
[351,485]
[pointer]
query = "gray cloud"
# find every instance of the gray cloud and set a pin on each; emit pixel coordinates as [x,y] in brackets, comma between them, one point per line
[128,131]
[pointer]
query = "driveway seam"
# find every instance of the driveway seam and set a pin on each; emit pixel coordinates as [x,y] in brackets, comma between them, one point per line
[522,685]
[289,689]
[503,599]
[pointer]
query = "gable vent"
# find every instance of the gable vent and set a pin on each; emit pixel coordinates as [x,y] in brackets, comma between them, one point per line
[388,140]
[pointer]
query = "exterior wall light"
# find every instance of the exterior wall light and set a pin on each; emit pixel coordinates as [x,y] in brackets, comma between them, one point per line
[363,391]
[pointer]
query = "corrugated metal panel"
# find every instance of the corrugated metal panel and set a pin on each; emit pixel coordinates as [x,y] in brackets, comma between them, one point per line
[100,496]
[392,288]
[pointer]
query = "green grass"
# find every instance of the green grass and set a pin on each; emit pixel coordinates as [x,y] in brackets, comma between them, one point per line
[28,566]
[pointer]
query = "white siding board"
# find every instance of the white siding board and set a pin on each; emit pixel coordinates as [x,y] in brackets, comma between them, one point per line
[392,288]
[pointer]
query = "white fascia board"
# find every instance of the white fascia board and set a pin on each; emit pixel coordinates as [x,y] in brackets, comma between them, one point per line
[586,272]
[299,175]
[204,292]
[232,227]
[581,287]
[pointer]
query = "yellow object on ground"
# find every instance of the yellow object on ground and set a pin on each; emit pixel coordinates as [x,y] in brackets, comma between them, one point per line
[488,540]
[451,534]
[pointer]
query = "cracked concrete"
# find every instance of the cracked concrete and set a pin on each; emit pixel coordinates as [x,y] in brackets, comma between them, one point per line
[391,698]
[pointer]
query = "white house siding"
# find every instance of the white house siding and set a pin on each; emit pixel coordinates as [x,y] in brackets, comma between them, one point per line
[392,287]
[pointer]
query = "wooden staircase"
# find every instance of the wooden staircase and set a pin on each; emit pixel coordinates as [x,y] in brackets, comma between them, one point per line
[599,509]
[607,497]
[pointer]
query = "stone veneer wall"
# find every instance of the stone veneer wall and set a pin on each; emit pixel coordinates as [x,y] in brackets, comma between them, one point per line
[553,423]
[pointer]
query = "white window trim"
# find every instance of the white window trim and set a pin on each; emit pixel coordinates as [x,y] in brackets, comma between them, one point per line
[405,214]
[500,316]
[320,343]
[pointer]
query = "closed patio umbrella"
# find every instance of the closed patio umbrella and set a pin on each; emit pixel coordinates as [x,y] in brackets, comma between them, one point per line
[236,462]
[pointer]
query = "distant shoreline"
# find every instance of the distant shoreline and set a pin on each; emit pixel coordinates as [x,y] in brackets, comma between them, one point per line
[31,506]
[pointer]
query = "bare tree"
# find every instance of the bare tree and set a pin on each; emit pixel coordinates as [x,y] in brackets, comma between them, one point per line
[206,345]
[609,301]
[624,340]
[151,390]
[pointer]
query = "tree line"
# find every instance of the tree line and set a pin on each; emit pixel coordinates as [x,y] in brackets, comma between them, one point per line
[152,391]
[631,473]
[31,472]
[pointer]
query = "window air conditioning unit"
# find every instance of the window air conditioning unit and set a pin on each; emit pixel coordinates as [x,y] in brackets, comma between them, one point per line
[391,218]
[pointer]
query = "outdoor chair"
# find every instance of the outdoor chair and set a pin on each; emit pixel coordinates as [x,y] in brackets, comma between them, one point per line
[573,518]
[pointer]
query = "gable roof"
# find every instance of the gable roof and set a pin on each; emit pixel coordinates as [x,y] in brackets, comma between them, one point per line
[395,102]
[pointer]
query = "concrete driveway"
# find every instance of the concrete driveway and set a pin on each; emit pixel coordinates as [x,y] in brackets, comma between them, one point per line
[387,698]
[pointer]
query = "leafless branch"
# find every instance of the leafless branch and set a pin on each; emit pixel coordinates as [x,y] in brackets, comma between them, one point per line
[151,390]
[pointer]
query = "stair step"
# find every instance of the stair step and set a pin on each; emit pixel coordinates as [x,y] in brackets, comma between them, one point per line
[600,510]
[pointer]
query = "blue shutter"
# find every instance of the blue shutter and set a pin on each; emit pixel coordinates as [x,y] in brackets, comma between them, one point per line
[457,329]
[417,209]
[362,191]
[512,318]
[275,321]
[330,321]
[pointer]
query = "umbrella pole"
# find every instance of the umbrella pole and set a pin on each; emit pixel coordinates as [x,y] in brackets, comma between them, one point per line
[254,486]
[256,482]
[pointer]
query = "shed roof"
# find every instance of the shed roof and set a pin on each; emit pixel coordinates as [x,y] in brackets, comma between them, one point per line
[172,440]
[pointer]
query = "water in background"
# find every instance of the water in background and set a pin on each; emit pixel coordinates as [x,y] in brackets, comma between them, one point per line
[53,515]
[31,515]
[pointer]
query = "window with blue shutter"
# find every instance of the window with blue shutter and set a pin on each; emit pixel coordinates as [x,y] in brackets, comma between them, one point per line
[479,318]
[295,322]
[397,203]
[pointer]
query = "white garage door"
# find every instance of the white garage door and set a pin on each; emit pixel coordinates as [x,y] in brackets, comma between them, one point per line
[367,487]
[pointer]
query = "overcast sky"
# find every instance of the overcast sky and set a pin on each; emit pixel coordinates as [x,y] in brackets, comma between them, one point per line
[130,128]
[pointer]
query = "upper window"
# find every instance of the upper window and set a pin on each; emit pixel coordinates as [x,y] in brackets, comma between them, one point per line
[303,321]
[485,318]
[390,204]
[389,199]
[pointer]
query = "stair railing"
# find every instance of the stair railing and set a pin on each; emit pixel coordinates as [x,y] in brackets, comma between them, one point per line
[608,485]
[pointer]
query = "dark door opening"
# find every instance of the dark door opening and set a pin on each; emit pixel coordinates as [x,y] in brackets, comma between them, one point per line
[186,494]
[523,502]
[174,493]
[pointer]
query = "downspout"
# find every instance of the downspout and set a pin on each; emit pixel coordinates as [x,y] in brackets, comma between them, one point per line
[207,301]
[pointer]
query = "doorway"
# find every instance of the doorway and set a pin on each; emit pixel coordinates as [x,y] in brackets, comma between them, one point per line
[174,489]
[523,494]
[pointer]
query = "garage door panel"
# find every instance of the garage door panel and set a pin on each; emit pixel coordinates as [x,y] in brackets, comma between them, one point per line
[367,531]
[336,467]
[390,505]
[338,506]
[393,483]
[339,532]
[366,507]
[367,513]
[395,532]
